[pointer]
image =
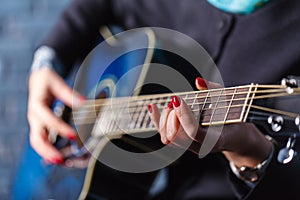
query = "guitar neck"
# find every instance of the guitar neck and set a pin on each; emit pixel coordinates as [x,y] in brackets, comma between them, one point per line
[114,116]
[130,114]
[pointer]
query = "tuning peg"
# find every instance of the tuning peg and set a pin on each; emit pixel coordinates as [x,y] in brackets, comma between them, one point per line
[276,122]
[290,83]
[287,153]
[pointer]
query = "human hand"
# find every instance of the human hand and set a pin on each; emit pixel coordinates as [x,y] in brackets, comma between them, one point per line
[242,144]
[45,86]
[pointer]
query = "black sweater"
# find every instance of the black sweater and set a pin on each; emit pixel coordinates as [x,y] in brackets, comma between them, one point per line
[262,47]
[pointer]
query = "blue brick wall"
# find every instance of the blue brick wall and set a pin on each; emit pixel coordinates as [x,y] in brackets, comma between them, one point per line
[22,24]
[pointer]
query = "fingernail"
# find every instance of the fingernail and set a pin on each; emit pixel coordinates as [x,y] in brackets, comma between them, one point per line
[79,100]
[56,161]
[170,105]
[164,140]
[175,101]
[150,108]
[72,136]
[201,82]
[59,160]
[82,99]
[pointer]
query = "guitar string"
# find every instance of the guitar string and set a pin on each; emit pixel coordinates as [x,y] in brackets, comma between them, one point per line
[120,130]
[210,114]
[204,116]
[131,100]
[213,91]
[163,101]
[133,109]
[262,115]
[261,108]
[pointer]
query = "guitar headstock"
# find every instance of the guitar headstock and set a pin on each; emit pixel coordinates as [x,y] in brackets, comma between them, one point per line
[279,116]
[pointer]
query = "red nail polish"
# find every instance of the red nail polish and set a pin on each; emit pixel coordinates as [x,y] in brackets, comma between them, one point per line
[175,101]
[56,161]
[170,105]
[79,100]
[72,137]
[82,99]
[150,108]
[201,82]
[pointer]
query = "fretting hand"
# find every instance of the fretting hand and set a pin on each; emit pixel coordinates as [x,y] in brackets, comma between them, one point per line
[243,144]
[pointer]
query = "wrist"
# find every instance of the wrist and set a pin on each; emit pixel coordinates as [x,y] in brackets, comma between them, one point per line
[252,175]
[45,57]
[252,154]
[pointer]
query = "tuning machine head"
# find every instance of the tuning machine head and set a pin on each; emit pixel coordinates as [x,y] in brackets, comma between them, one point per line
[287,153]
[276,122]
[290,83]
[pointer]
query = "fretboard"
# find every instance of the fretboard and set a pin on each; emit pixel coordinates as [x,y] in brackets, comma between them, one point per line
[130,115]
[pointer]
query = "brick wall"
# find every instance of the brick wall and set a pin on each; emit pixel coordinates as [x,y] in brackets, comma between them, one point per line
[22,24]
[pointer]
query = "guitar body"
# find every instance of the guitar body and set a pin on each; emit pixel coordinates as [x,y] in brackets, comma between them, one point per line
[110,70]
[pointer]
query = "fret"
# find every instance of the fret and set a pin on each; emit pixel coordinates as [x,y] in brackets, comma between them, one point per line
[110,123]
[133,112]
[229,106]
[143,114]
[212,120]
[115,124]
[185,98]
[167,100]
[205,101]
[189,99]
[108,120]
[251,96]
[245,102]
[100,125]
[194,101]
[115,112]
[113,127]
[147,119]
[137,113]
[124,117]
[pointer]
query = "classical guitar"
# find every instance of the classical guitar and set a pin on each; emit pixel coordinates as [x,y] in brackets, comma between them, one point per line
[115,109]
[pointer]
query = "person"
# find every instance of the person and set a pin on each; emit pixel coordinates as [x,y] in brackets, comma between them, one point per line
[249,43]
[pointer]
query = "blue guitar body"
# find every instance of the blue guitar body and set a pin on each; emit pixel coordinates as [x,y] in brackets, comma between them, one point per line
[114,63]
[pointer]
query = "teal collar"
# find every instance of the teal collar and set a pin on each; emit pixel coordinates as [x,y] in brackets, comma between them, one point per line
[238,6]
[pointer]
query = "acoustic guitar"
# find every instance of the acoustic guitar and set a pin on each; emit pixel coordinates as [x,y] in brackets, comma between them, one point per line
[116,107]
